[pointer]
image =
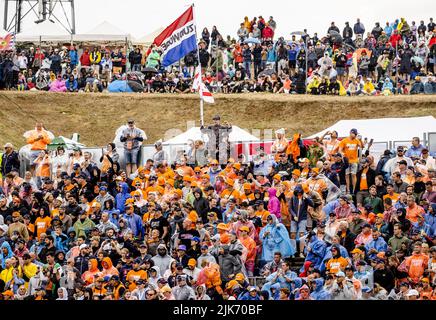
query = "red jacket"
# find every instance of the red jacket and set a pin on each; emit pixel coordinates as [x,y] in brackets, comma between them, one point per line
[267,32]
[84,59]
[394,39]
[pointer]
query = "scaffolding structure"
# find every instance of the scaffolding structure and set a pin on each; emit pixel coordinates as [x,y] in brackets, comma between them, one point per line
[56,11]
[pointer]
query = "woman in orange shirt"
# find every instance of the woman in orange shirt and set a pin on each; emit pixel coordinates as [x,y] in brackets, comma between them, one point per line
[43,222]
[42,166]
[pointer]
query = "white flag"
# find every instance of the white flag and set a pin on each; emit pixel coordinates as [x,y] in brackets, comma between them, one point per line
[199,86]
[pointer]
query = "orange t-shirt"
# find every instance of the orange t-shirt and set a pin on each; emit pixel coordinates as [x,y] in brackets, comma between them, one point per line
[412,213]
[38,144]
[350,148]
[395,197]
[133,275]
[263,215]
[318,185]
[364,180]
[42,224]
[417,265]
[227,194]
[336,265]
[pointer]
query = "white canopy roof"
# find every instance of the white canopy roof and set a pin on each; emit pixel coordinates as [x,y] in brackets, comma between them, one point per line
[149,38]
[48,31]
[237,135]
[385,129]
[105,31]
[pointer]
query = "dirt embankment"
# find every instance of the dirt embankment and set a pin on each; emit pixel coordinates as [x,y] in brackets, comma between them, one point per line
[96,116]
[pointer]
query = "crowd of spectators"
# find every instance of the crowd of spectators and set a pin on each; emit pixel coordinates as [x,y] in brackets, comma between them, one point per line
[397,58]
[310,220]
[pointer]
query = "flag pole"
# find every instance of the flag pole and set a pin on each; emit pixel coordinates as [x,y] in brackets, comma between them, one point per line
[200,89]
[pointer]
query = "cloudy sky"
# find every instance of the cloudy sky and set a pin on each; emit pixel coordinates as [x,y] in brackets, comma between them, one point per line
[139,17]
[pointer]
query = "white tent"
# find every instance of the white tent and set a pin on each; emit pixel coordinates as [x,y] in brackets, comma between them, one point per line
[105,31]
[149,38]
[237,135]
[44,31]
[385,129]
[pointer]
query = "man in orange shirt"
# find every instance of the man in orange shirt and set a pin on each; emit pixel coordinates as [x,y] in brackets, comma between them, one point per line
[416,263]
[413,210]
[38,139]
[136,274]
[349,147]
[248,195]
[250,245]
[391,194]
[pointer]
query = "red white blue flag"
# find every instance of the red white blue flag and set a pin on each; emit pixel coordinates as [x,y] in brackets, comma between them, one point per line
[178,39]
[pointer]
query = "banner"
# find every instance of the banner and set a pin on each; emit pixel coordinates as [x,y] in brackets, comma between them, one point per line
[178,39]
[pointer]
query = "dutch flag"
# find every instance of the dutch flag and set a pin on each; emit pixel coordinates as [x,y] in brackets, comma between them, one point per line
[178,39]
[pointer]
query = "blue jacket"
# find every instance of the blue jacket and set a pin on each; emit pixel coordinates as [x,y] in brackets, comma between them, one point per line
[247,296]
[276,241]
[430,219]
[424,227]
[292,55]
[3,256]
[60,242]
[379,245]
[135,224]
[213,175]
[414,151]
[121,197]
[318,250]
[271,56]
[320,293]
[74,57]
[71,85]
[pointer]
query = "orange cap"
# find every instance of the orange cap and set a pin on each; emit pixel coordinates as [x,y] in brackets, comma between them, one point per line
[277,177]
[197,169]
[205,176]
[296,172]
[247,186]
[316,170]
[187,178]
[170,182]
[230,182]
[231,160]
[237,166]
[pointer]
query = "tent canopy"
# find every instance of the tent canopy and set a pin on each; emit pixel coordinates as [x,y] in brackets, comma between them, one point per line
[105,31]
[64,142]
[237,135]
[385,129]
[48,31]
[149,38]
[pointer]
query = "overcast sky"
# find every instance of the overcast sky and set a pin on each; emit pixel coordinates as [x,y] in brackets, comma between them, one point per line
[139,17]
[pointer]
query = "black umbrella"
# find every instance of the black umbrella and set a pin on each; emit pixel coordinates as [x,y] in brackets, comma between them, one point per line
[267,72]
[149,69]
[135,86]
[335,36]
